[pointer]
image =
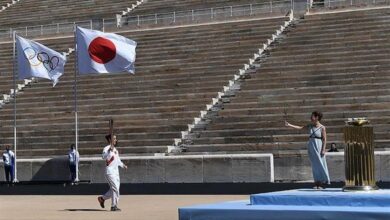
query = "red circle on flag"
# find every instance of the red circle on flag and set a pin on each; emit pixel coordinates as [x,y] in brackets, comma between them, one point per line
[102,50]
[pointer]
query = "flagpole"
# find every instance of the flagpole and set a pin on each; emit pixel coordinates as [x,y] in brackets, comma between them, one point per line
[75,103]
[14,93]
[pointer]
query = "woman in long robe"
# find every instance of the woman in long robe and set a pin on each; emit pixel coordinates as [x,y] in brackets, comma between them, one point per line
[316,149]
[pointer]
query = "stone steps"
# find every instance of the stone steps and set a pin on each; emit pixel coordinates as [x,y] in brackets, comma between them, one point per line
[274,148]
[276,138]
[238,129]
[41,12]
[49,152]
[279,97]
[166,6]
[177,74]
[257,103]
[340,115]
[336,65]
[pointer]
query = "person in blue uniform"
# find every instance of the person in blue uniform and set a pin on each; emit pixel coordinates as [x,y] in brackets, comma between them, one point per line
[9,164]
[316,149]
[74,158]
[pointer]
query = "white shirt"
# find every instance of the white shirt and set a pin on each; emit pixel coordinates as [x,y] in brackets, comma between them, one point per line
[8,156]
[73,156]
[112,160]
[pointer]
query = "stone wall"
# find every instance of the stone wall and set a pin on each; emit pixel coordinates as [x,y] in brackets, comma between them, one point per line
[252,168]
[297,168]
[157,169]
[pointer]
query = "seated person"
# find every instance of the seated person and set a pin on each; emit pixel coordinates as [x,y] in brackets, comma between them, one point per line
[333,148]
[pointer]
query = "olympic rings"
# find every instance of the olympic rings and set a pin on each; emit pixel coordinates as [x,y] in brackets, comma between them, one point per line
[36,59]
[30,54]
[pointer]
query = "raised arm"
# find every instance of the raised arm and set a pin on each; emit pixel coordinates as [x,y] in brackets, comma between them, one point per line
[293,126]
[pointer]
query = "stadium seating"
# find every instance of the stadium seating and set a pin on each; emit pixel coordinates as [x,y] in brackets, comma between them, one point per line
[167,6]
[178,71]
[57,11]
[4,2]
[54,11]
[337,63]
[6,67]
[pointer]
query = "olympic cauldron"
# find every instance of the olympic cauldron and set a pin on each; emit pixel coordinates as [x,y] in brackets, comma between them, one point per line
[359,156]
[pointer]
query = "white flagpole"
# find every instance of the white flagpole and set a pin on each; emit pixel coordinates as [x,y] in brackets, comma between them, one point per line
[14,93]
[75,104]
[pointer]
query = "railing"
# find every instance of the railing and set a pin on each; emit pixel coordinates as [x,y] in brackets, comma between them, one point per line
[276,7]
[47,29]
[272,7]
[206,15]
[335,4]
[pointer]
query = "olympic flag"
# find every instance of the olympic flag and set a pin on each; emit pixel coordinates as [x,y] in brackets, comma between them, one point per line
[37,60]
[100,52]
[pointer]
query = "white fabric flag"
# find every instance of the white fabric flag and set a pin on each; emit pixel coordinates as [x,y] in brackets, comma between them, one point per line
[99,52]
[37,60]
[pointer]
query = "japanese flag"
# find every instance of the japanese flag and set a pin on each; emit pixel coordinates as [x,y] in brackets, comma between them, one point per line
[99,52]
[37,60]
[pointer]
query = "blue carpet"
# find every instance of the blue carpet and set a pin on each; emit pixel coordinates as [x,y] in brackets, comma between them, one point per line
[297,205]
[327,197]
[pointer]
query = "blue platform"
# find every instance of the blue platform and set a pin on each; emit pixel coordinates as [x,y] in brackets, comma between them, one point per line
[327,197]
[297,205]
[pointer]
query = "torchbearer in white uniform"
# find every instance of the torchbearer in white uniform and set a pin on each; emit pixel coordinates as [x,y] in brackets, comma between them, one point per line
[113,161]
